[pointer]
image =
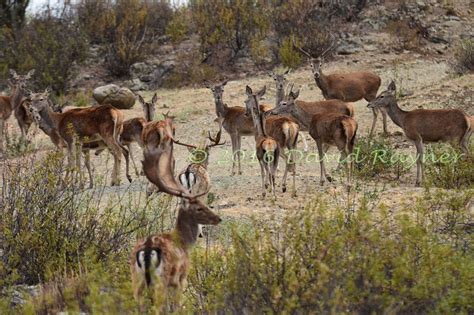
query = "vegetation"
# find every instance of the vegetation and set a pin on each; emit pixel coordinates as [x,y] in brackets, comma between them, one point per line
[464,57]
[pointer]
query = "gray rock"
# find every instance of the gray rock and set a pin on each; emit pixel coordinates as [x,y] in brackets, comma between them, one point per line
[119,97]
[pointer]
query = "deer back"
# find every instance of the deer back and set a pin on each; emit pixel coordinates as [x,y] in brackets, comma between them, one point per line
[351,87]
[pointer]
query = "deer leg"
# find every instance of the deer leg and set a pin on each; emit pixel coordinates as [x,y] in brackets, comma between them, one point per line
[87,163]
[321,163]
[305,143]
[239,153]
[419,162]
[115,149]
[384,119]
[374,121]
[78,152]
[465,142]
[262,172]
[234,150]
[2,133]
[129,148]
[287,166]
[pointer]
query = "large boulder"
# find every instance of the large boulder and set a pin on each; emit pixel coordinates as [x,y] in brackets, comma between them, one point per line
[118,97]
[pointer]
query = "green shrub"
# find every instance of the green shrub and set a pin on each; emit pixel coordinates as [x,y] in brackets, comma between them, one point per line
[375,157]
[288,55]
[179,27]
[50,44]
[47,230]
[464,56]
[446,167]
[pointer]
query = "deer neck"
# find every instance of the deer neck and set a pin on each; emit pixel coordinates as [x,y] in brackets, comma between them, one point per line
[186,229]
[221,108]
[396,114]
[280,94]
[16,97]
[321,82]
[301,116]
[148,114]
[50,120]
[258,122]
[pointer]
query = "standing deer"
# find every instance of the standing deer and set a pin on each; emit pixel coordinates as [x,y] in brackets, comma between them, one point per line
[325,128]
[195,176]
[162,261]
[347,87]
[236,123]
[15,103]
[426,125]
[76,125]
[267,148]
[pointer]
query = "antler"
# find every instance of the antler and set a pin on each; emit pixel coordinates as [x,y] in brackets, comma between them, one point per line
[185,144]
[333,43]
[301,49]
[217,139]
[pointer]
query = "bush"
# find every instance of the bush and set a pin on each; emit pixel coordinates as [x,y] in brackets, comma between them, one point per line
[47,231]
[289,57]
[49,43]
[179,27]
[374,157]
[448,168]
[464,57]
[225,28]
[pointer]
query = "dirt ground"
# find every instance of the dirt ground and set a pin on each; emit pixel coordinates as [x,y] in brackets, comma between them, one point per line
[427,82]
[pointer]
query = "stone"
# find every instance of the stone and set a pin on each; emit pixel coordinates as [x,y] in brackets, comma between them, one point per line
[119,97]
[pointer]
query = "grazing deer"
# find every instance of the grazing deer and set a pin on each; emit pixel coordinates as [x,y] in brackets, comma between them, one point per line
[236,123]
[85,124]
[267,148]
[162,261]
[15,103]
[426,125]
[347,87]
[329,128]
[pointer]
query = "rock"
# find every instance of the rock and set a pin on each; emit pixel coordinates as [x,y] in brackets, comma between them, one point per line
[119,97]
[137,85]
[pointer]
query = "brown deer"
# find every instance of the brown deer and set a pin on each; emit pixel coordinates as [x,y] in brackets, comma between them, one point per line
[347,87]
[426,125]
[267,148]
[77,125]
[195,176]
[162,261]
[325,128]
[236,123]
[15,103]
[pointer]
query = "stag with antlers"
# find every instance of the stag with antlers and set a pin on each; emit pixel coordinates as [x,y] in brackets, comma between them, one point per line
[15,103]
[162,261]
[347,87]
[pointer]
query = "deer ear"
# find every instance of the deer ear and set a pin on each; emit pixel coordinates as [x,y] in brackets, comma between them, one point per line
[248,90]
[392,87]
[30,73]
[295,95]
[47,91]
[262,91]
[270,74]
[287,71]
[154,98]
[13,74]
[207,84]
[225,82]
[141,100]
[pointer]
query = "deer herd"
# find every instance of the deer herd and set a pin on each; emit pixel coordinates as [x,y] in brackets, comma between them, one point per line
[162,261]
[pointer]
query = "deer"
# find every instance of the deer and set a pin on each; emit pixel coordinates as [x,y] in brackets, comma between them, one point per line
[15,103]
[326,128]
[236,123]
[162,261]
[426,125]
[267,148]
[77,125]
[195,176]
[347,87]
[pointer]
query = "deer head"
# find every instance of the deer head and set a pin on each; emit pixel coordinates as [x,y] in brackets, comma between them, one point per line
[386,98]
[158,169]
[287,106]
[20,81]
[279,79]
[149,108]
[316,61]
[251,103]
[217,90]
